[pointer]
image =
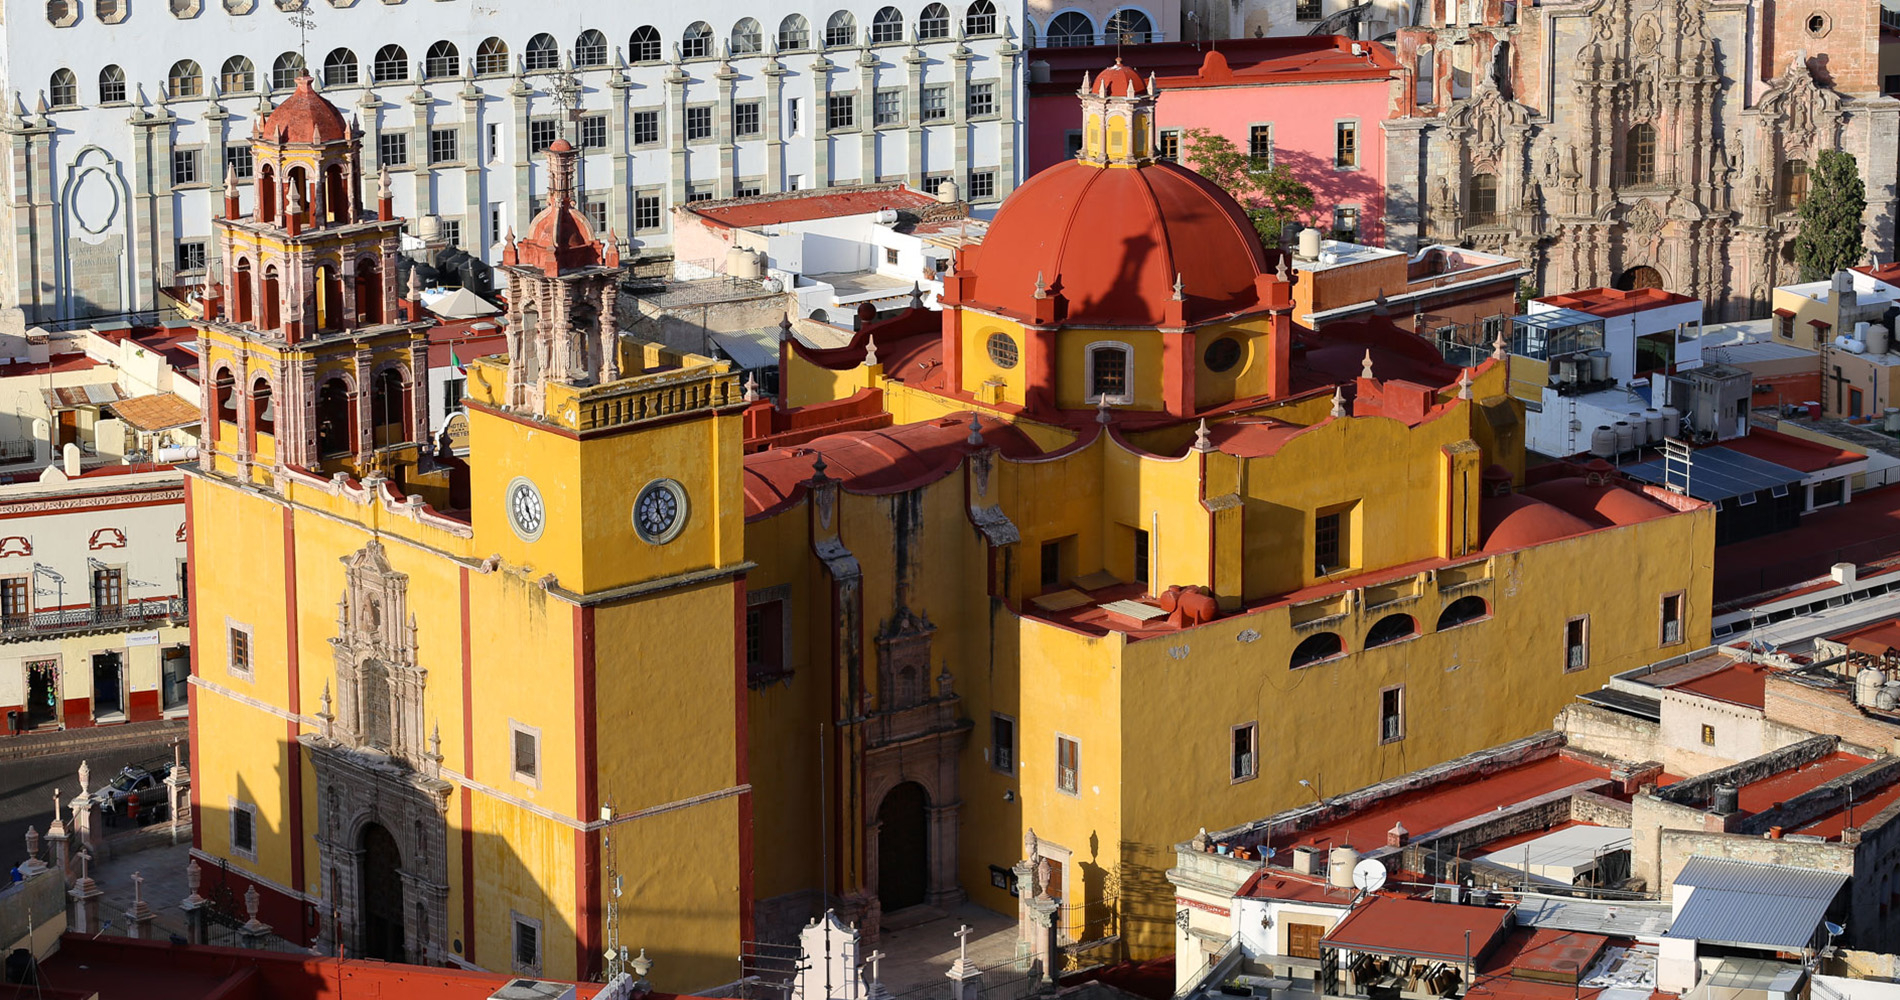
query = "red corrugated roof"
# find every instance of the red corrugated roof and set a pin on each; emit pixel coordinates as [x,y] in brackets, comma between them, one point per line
[1237,62]
[1392,926]
[742,214]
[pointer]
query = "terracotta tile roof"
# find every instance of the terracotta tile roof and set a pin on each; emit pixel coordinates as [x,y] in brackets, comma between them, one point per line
[1392,926]
[1737,684]
[742,213]
[160,411]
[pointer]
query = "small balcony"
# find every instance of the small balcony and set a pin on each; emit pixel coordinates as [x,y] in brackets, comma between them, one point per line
[123,616]
[1646,180]
[1486,220]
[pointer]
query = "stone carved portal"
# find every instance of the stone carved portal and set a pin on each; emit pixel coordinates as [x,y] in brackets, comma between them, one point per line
[382,806]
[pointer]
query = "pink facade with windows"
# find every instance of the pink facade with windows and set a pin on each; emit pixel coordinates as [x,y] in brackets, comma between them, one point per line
[1311,101]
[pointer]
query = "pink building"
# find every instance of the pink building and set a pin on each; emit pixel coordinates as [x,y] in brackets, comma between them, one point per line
[1312,102]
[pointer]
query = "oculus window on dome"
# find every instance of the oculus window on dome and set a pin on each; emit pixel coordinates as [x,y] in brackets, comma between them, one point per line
[1003,352]
[1222,355]
[526,514]
[659,512]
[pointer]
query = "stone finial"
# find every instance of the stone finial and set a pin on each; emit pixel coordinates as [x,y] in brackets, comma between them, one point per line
[1042,289]
[324,700]
[1030,844]
[1365,367]
[976,432]
[916,295]
[435,740]
[230,182]
[251,902]
[752,394]
[194,877]
[1179,295]
[295,204]
[870,350]
[1202,442]
[1280,271]
[32,842]
[784,327]
[415,284]
[383,189]
[1339,402]
[1500,348]
[1102,413]
[818,468]
[1045,874]
[1151,83]
[1085,81]
[1464,383]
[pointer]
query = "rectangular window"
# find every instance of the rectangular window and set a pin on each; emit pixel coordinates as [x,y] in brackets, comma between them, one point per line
[982,185]
[1306,10]
[1345,223]
[841,111]
[1260,146]
[646,211]
[108,589]
[747,190]
[1424,80]
[765,642]
[494,141]
[890,255]
[1108,372]
[1170,144]
[1577,643]
[1392,714]
[244,829]
[1068,765]
[981,100]
[238,160]
[184,166]
[1890,84]
[1346,144]
[1051,564]
[392,149]
[934,105]
[191,255]
[1671,619]
[452,232]
[594,132]
[238,639]
[1246,741]
[1003,743]
[527,753]
[494,224]
[699,124]
[1708,736]
[745,118]
[596,215]
[888,107]
[794,117]
[452,392]
[646,128]
[541,134]
[1326,538]
[795,182]
[16,599]
[443,145]
[694,194]
[1141,556]
[527,945]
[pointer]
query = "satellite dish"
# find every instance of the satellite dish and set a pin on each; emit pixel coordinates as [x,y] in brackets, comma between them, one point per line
[1834,929]
[1369,875]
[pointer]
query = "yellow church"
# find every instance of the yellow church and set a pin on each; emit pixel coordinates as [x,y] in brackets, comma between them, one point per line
[1106,549]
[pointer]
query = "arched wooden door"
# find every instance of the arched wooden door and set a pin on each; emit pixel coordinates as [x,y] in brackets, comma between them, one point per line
[903,847]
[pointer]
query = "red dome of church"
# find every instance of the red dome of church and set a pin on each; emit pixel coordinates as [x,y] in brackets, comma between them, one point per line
[306,117]
[1110,242]
[1117,81]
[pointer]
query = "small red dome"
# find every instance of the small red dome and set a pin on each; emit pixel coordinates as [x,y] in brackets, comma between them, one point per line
[1519,521]
[306,117]
[1118,81]
[1110,242]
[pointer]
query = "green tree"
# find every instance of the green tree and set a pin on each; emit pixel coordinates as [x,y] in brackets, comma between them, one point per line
[1831,217]
[1271,196]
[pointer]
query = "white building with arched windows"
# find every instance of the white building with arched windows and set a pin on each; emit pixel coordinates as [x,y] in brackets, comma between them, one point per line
[123,116]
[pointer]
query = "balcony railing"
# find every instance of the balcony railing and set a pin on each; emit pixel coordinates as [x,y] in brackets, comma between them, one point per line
[1646,180]
[75,619]
[1480,220]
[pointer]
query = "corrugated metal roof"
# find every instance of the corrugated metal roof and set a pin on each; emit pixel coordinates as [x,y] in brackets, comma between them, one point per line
[1729,916]
[1785,881]
[1625,702]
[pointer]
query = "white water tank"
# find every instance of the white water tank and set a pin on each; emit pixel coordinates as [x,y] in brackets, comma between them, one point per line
[886,217]
[1625,437]
[1309,244]
[743,263]
[1867,684]
[1855,347]
[1339,865]
[1639,429]
[1890,420]
[1603,441]
[1672,421]
[176,453]
[1653,423]
[948,193]
[1599,365]
[1876,338]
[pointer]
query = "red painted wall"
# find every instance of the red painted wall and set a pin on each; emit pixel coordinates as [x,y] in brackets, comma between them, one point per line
[143,706]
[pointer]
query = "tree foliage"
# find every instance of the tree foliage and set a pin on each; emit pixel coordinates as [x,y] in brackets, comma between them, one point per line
[1831,217]
[1271,196]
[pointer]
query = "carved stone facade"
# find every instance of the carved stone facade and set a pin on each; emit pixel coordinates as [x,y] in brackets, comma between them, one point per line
[382,806]
[1636,142]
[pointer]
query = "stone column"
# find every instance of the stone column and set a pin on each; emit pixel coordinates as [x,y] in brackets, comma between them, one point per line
[524,159]
[867,122]
[620,193]
[774,134]
[28,142]
[914,62]
[150,220]
[474,193]
[722,130]
[1008,134]
[820,118]
[960,111]
[676,80]
[57,843]
[421,105]
[178,783]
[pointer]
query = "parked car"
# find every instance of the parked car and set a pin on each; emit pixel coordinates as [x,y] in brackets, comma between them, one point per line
[145,781]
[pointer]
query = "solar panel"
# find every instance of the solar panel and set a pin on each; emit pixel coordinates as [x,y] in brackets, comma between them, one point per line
[1720,473]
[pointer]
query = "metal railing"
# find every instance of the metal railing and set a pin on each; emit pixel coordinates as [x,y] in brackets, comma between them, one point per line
[1478,220]
[1079,39]
[112,616]
[1646,179]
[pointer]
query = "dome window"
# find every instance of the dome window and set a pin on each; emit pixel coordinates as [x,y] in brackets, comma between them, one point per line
[1002,350]
[1222,355]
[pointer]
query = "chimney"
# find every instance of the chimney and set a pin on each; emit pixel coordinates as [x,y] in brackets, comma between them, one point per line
[1398,836]
[1306,860]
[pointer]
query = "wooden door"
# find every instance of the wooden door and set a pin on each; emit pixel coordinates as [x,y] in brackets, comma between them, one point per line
[1302,940]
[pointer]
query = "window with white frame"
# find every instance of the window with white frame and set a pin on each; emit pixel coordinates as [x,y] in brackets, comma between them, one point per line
[191,255]
[1577,643]
[1672,618]
[745,118]
[1068,765]
[526,959]
[1109,371]
[184,166]
[699,123]
[888,108]
[646,128]
[525,752]
[238,160]
[646,211]
[443,145]
[452,232]
[841,112]
[542,133]
[934,104]
[1246,761]
[594,132]
[243,829]
[392,149]
[1392,714]
[982,100]
[982,185]
[240,646]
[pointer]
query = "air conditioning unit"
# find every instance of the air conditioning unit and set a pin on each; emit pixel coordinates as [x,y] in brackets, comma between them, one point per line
[1447,892]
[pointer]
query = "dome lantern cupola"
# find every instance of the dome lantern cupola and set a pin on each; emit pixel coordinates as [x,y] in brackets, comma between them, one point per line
[1118,120]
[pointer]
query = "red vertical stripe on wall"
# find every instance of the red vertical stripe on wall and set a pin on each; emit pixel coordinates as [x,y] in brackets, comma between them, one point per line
[587,929]
[743,764]
[293,750]
[191,691]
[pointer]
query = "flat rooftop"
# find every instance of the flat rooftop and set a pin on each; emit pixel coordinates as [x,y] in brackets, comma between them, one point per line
[1608,302]
[1389,925]
[1737,683]
[1865,531]
[805,206]
[1339,253]
[1760,796]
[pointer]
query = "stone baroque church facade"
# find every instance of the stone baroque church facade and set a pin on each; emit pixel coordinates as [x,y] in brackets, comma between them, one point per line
[1637,142]
[121,117]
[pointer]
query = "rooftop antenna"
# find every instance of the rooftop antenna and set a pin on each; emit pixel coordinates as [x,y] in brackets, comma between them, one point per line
[299,11]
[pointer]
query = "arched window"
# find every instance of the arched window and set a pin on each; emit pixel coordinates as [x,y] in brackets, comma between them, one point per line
[1794,184]
[590,49]
[111,85]
[266,194]
[696,41]
[241,293]
[1483,208]
[285,71]
[543,53]
[269,296]
[336,419]
[263,408]
[185,79]
[1108,374]
[491,56]
[336,195]
[842,29]
[887,25]
[1315,648]
[238,76]
[933,22]
[1639,155]
[63,89]
[1391,629]
[980,19]
[389,408]
[1462,610]
[391,63]
[226,388]
[645,45]
[441,61]
[794,33]
[329,298]
[1070,28]
[1129,27]
[746,37]
[369,292]
[339,69]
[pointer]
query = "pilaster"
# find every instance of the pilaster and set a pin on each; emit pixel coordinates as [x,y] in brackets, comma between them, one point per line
[914,63]
[774,131]
[820,120]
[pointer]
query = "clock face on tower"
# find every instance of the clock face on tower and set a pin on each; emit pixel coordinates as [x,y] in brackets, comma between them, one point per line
[659,512]
[525,512]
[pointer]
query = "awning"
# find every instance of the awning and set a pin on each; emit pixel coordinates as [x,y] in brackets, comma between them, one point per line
[161,411]
[1752,904]
[749,350]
